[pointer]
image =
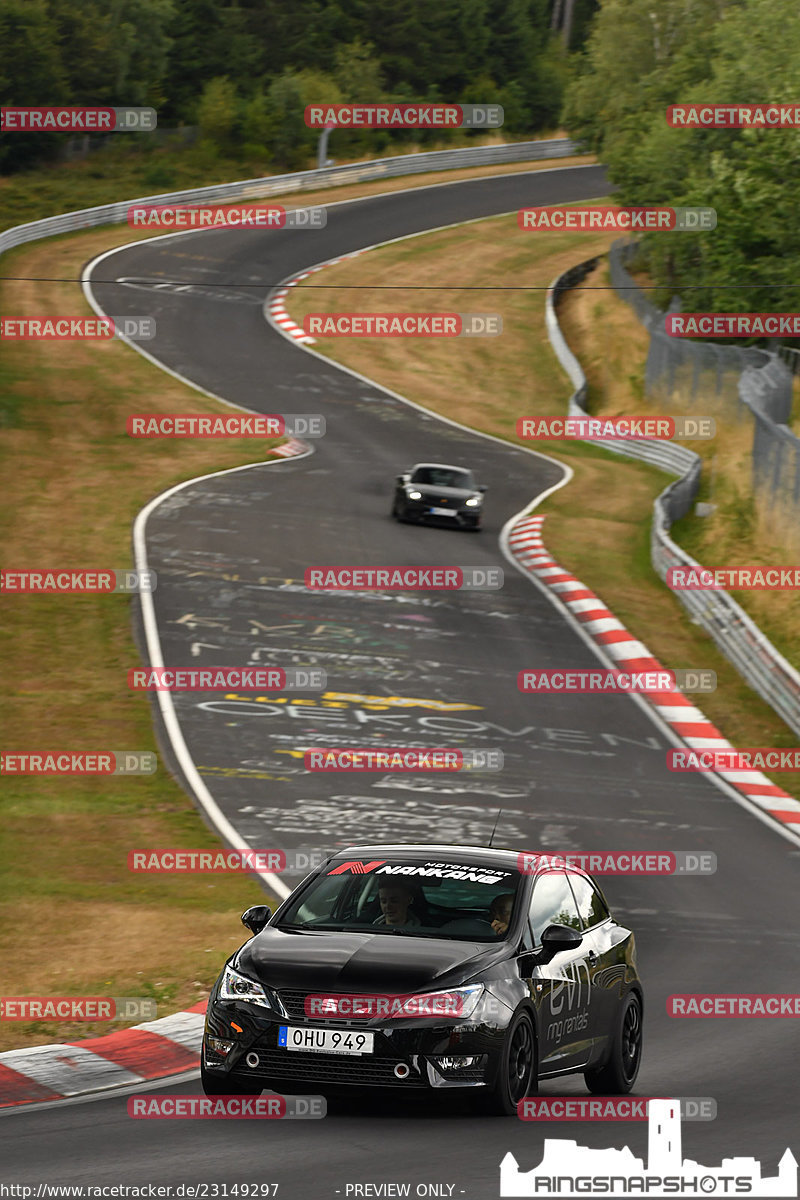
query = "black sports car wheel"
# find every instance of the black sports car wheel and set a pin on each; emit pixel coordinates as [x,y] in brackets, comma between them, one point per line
[517,1076]
[619,1074]
[217,1084]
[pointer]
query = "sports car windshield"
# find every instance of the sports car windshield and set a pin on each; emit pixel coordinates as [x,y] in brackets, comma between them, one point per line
[426,898]
[443,477]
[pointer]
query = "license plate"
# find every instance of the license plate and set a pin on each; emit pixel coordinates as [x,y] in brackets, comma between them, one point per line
[442,512]
[325,1041]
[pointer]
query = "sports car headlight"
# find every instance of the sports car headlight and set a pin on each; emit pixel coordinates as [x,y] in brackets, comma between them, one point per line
[454,1002]
[237,987]
[415,495]
[474,501]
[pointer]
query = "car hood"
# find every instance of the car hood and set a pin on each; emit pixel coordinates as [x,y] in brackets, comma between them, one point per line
[451,493]
[361,962]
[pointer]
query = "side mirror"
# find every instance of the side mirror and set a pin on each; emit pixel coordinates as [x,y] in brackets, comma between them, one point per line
[482,488]
[255,918]
[560,937]
[402,478]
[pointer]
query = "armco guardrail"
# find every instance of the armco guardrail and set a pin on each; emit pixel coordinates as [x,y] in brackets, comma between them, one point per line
[299,181]
[736,635]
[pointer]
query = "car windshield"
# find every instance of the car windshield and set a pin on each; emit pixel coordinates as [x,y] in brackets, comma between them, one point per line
[420,898]
[443,477]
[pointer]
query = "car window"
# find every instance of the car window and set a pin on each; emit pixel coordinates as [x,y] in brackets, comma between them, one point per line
[589,901]
[443,477]
[553,904]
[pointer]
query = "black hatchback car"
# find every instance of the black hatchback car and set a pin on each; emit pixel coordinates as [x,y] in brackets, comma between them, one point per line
[427,967]
[434,492]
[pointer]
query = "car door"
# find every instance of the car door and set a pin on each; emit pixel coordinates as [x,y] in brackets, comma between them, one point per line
[606,944]
[560,986]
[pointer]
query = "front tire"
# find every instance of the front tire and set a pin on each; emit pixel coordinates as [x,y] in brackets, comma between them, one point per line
[216,1084]
[517,1076]
[618,1075]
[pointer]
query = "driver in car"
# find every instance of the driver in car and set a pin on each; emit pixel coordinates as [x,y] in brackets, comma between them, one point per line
[396,899]
[500,912]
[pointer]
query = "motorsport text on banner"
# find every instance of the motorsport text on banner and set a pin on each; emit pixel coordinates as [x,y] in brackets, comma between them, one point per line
[593,217]
[404,116]
[733,325]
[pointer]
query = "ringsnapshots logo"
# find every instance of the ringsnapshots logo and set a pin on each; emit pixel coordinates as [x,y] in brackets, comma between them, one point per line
[77,1008]
[218,216]
[567,1169]
[227,1108]
[66,329]
[234,425]
[402,325]
[176,860]
[68,581]
[609,217]
[404,116]
[619,428]
[399,759]
[77,120]
[620,862]
[72,762]
[226,679]
[732,325]
[617,680]
[403,578]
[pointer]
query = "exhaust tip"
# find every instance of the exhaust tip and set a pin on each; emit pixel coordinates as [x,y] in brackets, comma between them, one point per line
[402,1070]
[252,1059]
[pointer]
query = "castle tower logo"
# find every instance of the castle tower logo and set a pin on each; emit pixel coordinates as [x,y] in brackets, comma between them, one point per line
[568,1169]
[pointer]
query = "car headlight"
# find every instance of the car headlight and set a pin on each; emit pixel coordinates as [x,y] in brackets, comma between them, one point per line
[453,1002]
[415,495]
[238,987]
[474,501]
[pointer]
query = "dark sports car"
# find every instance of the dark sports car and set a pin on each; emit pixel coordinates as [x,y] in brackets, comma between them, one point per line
[438,493]
[422,967]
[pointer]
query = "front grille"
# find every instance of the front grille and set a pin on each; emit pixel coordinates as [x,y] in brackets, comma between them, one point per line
[294,1006]
[365,1070]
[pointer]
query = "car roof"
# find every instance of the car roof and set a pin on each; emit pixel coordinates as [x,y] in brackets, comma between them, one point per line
[488,854]
[443,466]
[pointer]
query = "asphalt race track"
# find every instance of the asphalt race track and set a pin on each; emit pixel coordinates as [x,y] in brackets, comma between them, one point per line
[581,772]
